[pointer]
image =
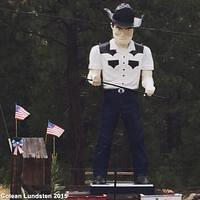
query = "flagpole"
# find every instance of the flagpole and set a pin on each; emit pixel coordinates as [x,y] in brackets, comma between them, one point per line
[54,146]
[16,127]
[45,138]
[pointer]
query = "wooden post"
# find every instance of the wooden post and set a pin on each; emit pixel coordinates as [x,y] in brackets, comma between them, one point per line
[15,187]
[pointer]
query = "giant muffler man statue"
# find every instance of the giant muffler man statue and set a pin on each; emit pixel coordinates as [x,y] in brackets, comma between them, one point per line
[122,62]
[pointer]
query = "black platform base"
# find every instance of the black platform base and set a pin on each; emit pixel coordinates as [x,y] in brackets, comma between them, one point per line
[122,188]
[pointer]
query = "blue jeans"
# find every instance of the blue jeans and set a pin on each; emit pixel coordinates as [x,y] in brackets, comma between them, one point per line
[124,105]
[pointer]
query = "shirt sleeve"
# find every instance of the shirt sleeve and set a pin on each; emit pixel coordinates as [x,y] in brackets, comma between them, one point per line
[147,60]
[95,58]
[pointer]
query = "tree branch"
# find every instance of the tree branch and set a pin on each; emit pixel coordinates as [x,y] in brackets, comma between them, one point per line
[44,36]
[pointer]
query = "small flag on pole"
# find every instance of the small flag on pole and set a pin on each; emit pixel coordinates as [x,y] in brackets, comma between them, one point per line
[20,113]
[52,129]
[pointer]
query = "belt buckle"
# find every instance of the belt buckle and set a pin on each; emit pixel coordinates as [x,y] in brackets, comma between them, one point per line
[121,90]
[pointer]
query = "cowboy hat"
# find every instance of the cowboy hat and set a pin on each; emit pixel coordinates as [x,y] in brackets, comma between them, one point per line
[124,16]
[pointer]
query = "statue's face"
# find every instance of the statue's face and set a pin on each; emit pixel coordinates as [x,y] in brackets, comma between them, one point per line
[122,35]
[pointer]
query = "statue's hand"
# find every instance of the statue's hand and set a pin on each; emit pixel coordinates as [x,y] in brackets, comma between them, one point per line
[94,77]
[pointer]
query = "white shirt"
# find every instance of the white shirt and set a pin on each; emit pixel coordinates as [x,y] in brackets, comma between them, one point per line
[116,64]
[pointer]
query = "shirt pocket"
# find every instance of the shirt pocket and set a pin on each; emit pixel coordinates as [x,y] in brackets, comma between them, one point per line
[113,63]
[133,63]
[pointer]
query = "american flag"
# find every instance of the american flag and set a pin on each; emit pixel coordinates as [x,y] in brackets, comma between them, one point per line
[52,129]
[20,113]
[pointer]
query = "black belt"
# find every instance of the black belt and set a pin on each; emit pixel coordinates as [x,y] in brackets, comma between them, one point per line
[120,90]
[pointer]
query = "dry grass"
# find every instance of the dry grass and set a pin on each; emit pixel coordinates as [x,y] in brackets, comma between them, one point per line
[3,192]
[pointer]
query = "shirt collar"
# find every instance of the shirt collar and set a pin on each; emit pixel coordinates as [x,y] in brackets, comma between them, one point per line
[113,46]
